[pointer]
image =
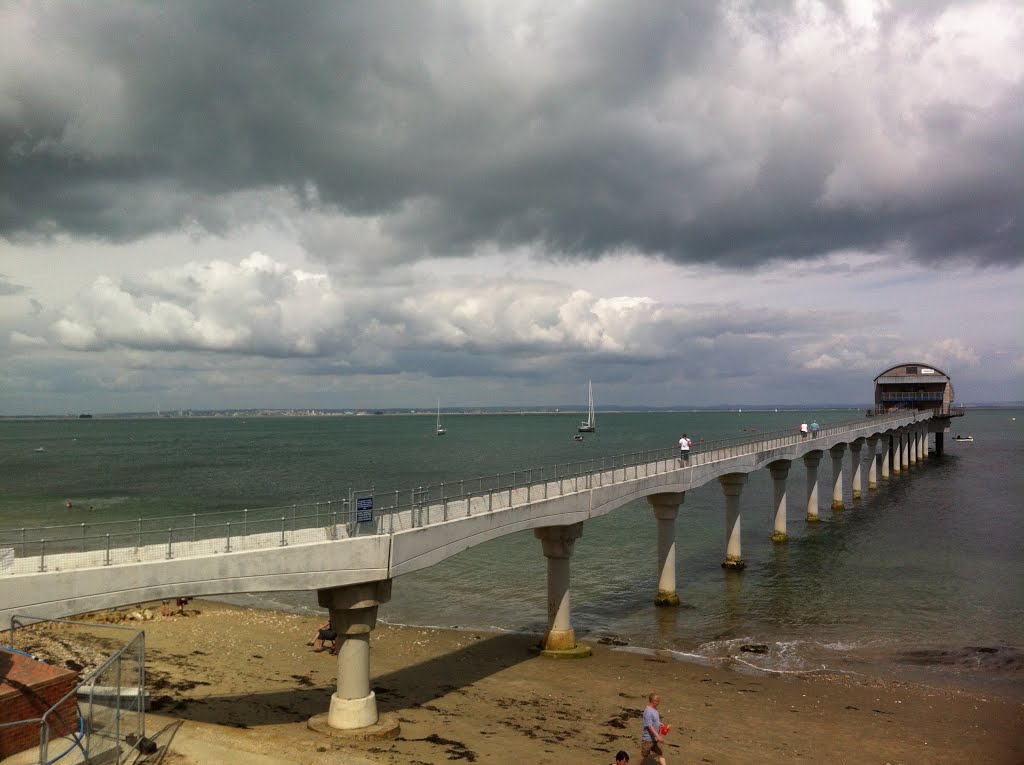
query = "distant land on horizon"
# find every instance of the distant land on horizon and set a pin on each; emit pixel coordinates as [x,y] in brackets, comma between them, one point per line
[467,410]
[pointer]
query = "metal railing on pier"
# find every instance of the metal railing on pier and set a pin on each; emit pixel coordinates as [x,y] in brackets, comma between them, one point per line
[371,512]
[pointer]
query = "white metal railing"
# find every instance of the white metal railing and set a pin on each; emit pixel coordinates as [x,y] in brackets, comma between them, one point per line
[372,512]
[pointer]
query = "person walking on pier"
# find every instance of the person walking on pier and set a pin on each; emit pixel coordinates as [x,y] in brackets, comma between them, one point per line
[684,450]
[814,429]
[803,430]
[651,737]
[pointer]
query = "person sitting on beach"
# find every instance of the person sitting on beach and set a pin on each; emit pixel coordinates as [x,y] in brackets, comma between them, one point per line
[620,757]
[325,632]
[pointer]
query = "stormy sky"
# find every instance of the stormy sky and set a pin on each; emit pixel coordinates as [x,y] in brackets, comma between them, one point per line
[363,205]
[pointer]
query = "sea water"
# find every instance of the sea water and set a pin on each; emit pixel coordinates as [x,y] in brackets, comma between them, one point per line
[922,579]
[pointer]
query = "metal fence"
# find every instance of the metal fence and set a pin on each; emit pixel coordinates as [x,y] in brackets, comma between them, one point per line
[102,719]
[373,512]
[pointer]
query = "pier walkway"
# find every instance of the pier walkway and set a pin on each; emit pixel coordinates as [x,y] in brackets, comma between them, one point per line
[349,550]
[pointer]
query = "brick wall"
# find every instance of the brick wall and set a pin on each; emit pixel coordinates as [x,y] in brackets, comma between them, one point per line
[27,689]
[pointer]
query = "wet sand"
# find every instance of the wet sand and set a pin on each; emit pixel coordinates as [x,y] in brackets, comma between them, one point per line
[245,681]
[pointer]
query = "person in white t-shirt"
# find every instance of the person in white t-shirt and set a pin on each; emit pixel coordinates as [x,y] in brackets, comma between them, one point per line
[684,450]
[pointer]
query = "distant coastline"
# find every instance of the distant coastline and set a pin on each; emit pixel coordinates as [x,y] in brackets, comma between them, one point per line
[406,411]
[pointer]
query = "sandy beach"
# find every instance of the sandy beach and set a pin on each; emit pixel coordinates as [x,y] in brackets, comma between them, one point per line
[244,680]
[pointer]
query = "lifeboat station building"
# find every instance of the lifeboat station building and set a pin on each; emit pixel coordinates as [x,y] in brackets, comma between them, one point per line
[913,386]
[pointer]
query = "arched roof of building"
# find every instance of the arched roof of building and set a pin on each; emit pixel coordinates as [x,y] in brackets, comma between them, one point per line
[911,364]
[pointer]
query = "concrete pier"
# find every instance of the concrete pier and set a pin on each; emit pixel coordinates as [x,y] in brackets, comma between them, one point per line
[886,457]
[811,462]
[856,476]
[557,543]
[732,487]
[779,471]
[872,461]
[897,453]
[353,611]
[904,450]
[836,452]
[666,510]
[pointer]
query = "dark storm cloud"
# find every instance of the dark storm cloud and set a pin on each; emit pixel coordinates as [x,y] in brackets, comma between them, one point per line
[617,127]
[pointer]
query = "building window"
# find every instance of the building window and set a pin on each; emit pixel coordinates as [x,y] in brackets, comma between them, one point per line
[911,370]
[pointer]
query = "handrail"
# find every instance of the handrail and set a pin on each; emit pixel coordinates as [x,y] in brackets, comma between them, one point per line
[277,523]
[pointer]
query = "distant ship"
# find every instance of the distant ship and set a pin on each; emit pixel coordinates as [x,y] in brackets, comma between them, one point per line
[85,416]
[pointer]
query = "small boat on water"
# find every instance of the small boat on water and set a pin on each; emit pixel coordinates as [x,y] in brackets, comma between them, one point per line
[964,438]
[590,424]
[577,438]
[440,429]
[40,449]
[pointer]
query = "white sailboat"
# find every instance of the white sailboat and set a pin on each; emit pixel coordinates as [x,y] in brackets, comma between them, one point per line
[440,429]
[590,424]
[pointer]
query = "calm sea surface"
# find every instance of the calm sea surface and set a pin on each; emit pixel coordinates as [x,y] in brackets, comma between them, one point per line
[923,579]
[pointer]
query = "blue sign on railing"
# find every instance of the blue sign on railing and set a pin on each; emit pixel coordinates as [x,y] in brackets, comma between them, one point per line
[364,509]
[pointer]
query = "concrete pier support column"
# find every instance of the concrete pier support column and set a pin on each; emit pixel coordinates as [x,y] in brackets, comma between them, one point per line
[912,443]
[886,456]
[353,612]
[811,462]
[856,474]
[905,450]
[897,453]
[666,510]
[940,442]
[837,452]
[924,446]
[779,471]
[732,486]
[557,543]
[872,442]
